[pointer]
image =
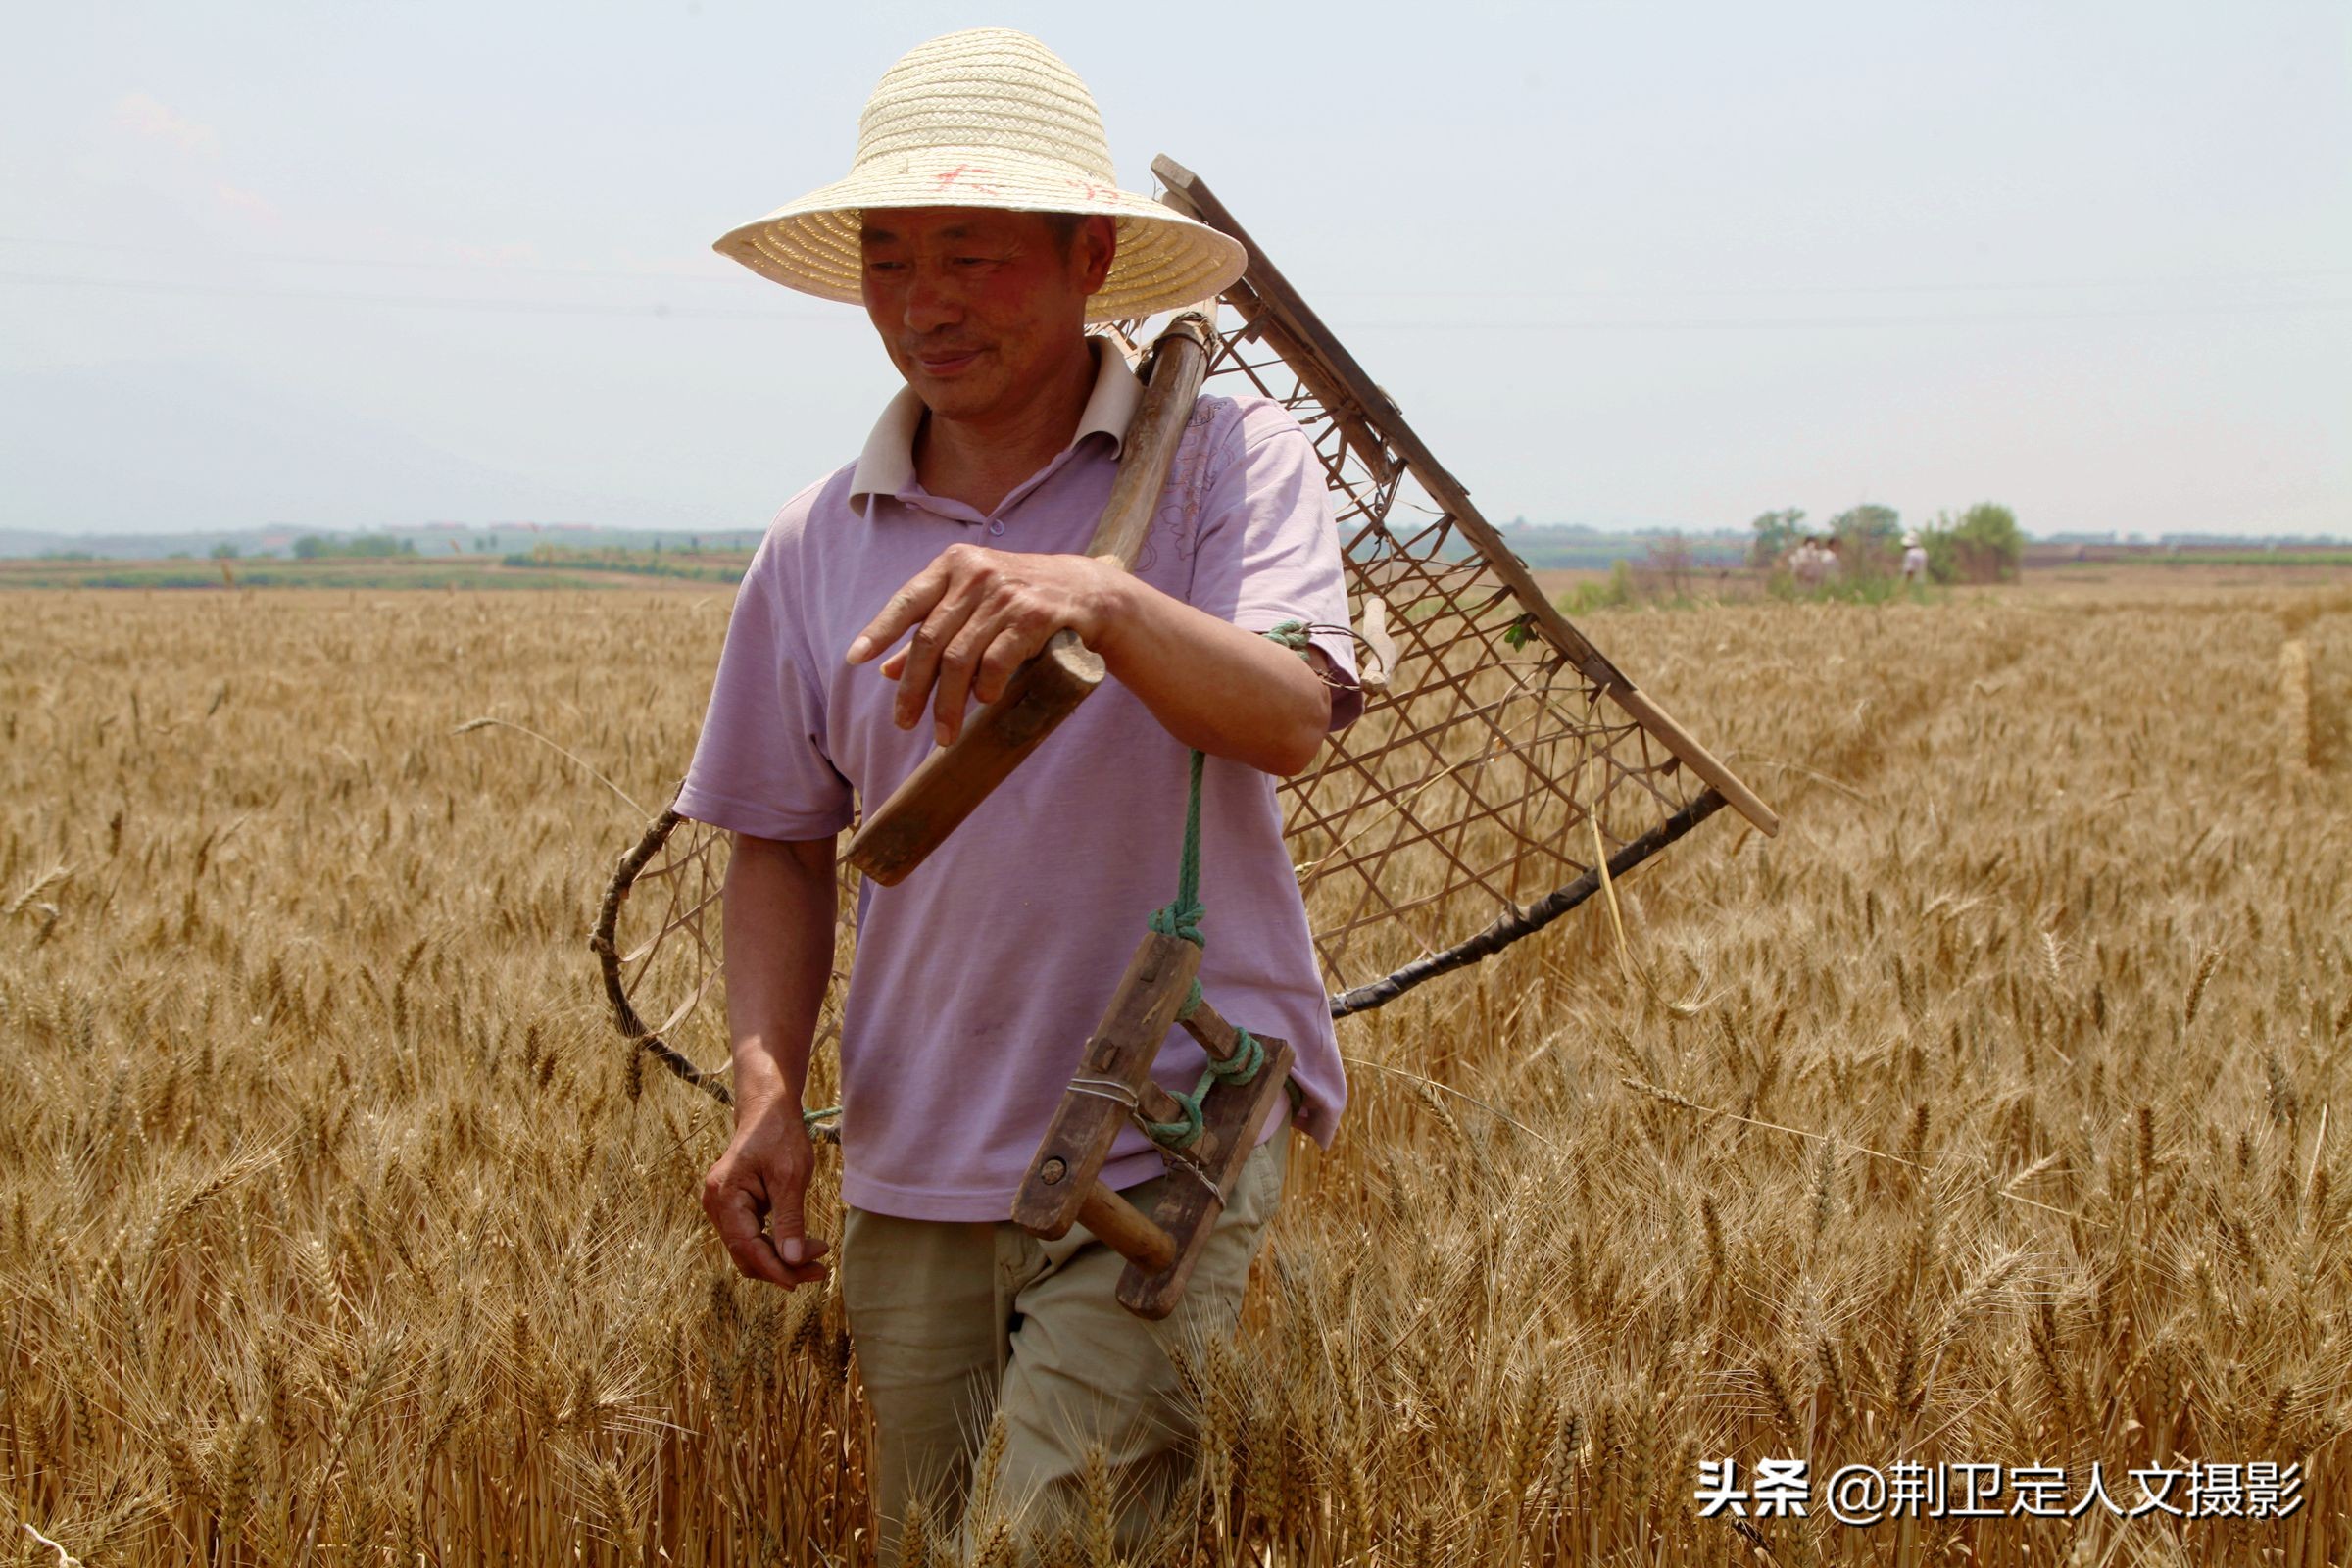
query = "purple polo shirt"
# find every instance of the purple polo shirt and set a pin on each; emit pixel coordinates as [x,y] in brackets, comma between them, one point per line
[979,978]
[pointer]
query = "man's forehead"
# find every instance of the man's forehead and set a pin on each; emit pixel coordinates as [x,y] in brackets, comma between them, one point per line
[941,222]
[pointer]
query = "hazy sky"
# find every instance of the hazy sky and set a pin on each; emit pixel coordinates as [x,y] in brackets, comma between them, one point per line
[347,265]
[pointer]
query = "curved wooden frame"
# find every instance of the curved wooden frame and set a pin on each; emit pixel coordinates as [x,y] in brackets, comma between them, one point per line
[1498,743]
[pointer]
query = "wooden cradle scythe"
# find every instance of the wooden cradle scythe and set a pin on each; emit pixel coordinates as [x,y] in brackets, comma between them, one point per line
[1502,772]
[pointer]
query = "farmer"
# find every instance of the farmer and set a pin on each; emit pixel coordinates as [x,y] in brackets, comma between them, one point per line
[1915,560]
[982,228]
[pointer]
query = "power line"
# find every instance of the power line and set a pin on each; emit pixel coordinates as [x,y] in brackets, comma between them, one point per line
[1832,323]
[735,279]
[2233,279]
[665,310]
[513,307]
[731,277]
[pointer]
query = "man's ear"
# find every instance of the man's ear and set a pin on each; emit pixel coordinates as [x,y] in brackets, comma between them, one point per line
[1093,248]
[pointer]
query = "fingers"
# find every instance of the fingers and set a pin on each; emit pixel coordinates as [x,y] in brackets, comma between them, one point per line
[1008,652]
[979,662]
[907,607]
[735,1212]
[977,615]
[953,691]
[785,1226]
[968,576]
[924,650]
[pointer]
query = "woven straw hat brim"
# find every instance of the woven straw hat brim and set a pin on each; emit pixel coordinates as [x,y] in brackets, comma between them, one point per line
[1165,260]
[987,117]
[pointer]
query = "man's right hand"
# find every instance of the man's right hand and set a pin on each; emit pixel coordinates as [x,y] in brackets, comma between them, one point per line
[765,1176]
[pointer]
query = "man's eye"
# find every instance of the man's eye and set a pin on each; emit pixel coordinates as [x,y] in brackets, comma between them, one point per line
[885,266]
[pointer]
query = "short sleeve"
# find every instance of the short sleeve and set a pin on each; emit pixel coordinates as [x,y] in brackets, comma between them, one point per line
[1268,549]
[760,767]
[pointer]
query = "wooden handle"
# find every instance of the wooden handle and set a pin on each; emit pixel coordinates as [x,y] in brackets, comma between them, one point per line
[948,784]
[1127,1230]
[1178,366]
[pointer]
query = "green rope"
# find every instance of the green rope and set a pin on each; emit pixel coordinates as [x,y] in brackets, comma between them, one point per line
[1177,1134]
[1292,634]
[1181,916]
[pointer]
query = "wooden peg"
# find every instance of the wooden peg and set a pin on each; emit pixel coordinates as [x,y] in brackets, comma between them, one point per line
[1126,1230]
[1232,1115]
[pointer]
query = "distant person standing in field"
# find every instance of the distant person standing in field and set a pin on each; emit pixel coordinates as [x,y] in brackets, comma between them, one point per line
[1812,565]
[1915,561]
[1833,560]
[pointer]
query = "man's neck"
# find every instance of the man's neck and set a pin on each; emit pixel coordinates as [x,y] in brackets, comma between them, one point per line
[979,462]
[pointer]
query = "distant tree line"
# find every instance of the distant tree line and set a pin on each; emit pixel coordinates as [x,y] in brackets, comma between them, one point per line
[1984,544]
[370,546]
[638,562]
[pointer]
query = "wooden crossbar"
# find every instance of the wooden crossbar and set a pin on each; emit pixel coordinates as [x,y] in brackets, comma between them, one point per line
[1064,1185]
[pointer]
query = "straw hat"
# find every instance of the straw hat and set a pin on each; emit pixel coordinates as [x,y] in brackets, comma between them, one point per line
[989,118]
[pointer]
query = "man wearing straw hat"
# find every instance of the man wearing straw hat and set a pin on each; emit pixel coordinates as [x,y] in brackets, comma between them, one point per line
[982,228]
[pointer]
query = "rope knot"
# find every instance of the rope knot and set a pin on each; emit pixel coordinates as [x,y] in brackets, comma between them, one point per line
[1179,918]
[1291,634]
[1242,1066]
[1178,1134]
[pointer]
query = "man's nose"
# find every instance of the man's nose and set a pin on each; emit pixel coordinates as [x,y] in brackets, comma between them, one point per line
[929,305]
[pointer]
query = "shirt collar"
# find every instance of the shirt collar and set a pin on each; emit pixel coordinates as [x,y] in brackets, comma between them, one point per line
[887,465]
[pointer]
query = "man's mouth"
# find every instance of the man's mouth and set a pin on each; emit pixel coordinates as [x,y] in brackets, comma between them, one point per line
[946,363]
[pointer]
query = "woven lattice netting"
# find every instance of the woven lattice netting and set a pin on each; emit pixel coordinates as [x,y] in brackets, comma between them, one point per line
[1484,762]
[667,948]
[1472,784]
[667,937]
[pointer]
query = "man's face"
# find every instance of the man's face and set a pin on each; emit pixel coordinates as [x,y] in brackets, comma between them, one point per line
[979,309]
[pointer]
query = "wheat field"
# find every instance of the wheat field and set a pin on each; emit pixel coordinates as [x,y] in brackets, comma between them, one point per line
[1983,1116]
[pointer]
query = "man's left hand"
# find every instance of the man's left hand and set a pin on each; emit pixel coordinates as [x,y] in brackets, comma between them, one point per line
[978,615]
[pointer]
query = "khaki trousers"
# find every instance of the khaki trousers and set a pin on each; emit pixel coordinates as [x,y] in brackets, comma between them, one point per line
[955,1322]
